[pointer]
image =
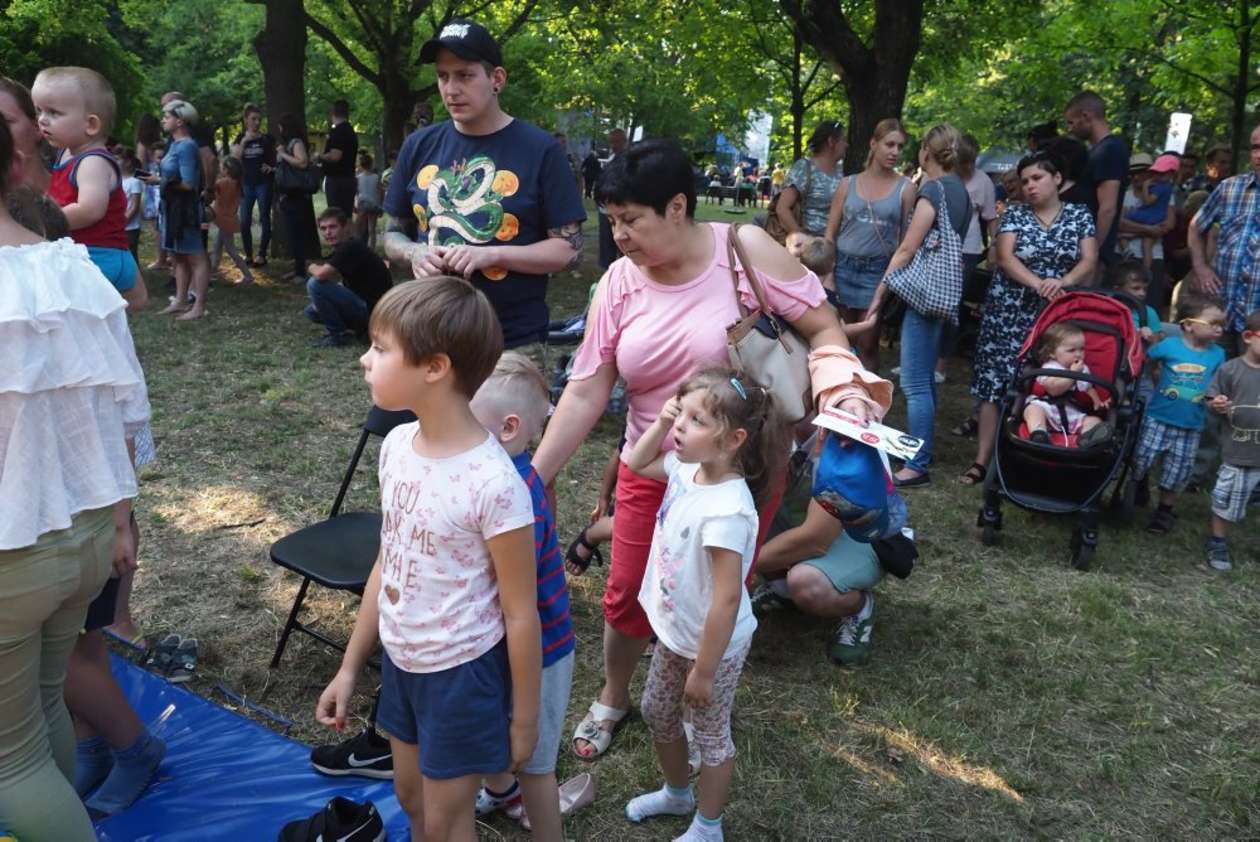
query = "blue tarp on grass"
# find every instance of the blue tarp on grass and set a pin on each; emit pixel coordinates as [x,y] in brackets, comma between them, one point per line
[224,776]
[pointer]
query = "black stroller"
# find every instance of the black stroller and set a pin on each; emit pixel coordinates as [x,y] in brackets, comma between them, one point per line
[1059,477]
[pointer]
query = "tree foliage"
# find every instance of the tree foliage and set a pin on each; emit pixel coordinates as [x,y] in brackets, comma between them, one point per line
[1147,58]
[42,33]
[688,68]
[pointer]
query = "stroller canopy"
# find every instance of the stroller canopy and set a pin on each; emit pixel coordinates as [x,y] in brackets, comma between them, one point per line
[1101,355]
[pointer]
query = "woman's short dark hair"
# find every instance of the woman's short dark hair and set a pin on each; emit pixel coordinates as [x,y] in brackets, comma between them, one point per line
[650,172]
[824,132]
[1072,156]
[1041,160]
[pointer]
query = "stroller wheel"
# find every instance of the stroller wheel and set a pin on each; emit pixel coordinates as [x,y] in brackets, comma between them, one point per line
[1082,552]
[989,535]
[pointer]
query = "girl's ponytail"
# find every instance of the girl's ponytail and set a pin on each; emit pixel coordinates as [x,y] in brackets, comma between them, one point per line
[739,402]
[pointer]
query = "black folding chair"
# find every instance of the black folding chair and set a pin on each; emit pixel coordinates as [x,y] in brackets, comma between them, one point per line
[337,552]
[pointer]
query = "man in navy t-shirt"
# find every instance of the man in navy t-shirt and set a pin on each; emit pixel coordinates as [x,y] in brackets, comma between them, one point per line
[1108,170]
[483,195]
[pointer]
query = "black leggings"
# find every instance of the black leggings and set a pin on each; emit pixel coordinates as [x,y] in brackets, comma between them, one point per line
[299,220]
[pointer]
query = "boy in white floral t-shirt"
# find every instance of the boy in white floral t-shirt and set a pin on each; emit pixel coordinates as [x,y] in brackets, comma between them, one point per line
[452,595]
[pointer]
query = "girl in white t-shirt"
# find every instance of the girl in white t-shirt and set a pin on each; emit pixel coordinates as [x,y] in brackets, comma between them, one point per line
[722,447]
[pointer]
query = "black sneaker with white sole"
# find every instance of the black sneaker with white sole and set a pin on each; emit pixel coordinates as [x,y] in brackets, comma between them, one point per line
[341,820]
[366,755]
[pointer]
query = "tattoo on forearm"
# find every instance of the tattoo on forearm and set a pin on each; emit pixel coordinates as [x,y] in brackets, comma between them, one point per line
[571,234]
[400,238]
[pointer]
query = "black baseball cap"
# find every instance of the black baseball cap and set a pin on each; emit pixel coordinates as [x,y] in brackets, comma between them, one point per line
[466,39]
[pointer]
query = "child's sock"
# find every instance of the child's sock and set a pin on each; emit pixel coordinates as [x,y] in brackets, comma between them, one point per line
[489,801]
[92,762]
[702,830]
[134,768]
[666,801]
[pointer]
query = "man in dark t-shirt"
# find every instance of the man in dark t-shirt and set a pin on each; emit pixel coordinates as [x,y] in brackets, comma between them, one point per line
[1107,173]
[344,309]
[340,151]
[483,195]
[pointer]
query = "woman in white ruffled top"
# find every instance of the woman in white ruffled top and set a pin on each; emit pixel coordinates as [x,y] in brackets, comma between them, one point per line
[71,396]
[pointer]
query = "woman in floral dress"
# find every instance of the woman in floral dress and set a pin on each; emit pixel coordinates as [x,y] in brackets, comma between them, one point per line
[1044,246]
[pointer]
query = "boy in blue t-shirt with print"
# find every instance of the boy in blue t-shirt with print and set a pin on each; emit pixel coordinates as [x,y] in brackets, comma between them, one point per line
[513,404]
[1131,278]
[1175,415]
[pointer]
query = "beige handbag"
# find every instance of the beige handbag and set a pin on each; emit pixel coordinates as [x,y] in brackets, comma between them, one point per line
[765,347]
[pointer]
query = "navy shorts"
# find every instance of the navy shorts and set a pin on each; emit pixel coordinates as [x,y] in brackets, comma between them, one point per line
[458,717]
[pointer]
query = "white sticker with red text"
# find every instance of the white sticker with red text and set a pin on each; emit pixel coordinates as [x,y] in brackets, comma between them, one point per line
[893,442]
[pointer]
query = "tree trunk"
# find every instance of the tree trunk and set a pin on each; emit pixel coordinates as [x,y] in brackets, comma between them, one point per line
[875,76]
[1242,81]
[281,49]
[870,100]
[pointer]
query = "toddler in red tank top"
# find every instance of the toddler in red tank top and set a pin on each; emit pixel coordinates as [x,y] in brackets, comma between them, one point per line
[75,108]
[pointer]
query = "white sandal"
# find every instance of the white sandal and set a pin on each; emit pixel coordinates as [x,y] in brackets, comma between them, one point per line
[575,793]
[588,729]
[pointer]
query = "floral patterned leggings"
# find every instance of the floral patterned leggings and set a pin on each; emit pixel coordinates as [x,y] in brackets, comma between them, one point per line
[663,703]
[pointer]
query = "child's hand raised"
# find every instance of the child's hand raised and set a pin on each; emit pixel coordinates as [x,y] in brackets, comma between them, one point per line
[670,411]
[1079,365]
[699,689]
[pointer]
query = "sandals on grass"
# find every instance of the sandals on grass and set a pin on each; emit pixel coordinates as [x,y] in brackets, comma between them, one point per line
[571,555]
[974,475]
[966,430]
[588,729]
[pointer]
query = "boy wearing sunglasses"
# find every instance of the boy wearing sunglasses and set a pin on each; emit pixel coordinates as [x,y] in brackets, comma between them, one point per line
[1176,413]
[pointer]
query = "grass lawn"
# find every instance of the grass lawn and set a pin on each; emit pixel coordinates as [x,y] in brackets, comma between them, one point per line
[1009,695]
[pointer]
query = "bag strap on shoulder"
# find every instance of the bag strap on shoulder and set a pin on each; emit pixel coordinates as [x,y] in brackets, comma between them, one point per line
[739,260]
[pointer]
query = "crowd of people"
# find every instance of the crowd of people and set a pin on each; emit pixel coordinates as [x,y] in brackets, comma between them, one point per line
[711,486]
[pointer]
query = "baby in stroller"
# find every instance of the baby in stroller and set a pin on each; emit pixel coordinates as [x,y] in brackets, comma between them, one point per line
[1055,403]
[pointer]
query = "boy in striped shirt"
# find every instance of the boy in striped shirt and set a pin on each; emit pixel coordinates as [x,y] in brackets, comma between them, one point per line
[513,405]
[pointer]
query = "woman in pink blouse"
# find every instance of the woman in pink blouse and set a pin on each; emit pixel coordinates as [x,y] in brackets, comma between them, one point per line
[657,315]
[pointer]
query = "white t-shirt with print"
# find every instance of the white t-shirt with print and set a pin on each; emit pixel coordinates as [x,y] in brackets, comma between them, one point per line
[133,186]
[677,586]
[439,600]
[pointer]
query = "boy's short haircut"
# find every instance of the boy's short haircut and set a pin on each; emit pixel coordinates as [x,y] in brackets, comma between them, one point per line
[1252,325]
[818,255]
[517,387]
[334,212]
[442,315]
[1192,305]
[98,93]
[1119,275]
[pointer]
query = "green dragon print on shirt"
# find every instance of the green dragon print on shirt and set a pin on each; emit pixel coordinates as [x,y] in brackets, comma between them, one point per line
[466,205]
